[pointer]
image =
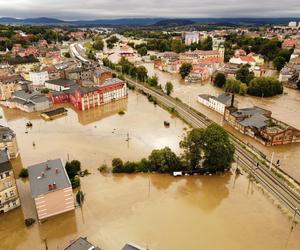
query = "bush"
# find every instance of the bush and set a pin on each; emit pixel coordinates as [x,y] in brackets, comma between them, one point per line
[75,182]
[45,91]
[28,222]
[23,173]
[103,169]
[265,87]
[117,165]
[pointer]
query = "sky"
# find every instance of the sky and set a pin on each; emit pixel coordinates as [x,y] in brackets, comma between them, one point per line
[94,9]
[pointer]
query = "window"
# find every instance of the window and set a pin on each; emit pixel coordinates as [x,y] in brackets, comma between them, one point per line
[6,174]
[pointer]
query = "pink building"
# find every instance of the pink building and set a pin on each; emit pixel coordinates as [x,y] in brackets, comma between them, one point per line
[51,188]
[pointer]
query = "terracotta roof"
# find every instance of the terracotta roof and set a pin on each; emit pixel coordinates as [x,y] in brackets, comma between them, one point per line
[247,58]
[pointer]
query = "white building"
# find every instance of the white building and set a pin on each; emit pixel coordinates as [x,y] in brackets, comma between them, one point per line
[292,24]
[216,103]
[191,37]
[38,78]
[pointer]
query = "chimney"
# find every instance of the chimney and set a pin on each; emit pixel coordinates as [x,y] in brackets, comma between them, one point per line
[232,100]
[54,185]
[50,187]
[43,174]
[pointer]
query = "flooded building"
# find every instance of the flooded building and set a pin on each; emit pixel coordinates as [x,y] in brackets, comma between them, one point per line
[81,244]
[84,98]
[51,188]
[8,85]
[8,141]
[258,123]
[9,198]
[216,103]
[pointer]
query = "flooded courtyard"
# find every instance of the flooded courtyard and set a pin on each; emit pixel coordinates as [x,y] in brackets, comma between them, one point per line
[158,212]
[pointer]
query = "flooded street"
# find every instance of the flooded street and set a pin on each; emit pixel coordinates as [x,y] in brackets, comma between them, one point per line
[155,211]
[284,108]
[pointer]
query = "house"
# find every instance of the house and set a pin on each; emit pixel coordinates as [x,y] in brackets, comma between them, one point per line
[50,188]
[81,244]
[38,78]
[198,74]
[258,124]
[289,43]
[242,60]
[9,197]
[203,54]
[8,141]
[83,97]
[8,85]
[239,52]
[101,75]
[28,101]
[286,73]
[216,103]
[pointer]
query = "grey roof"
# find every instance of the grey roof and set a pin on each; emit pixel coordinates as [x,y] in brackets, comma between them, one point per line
[205,96]
[131,246]
[81,244]
[111,81]
[61,82]
[224,98]
[39,184]
[5,164]
[257,121]
[249,112]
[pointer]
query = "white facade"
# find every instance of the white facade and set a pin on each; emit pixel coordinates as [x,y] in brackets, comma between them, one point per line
[191,37]
[212,102]
[38,78]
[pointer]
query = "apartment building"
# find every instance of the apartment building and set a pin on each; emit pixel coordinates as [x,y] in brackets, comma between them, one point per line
[8,141]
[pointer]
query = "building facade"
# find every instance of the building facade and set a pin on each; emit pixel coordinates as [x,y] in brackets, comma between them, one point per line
[9,198]
[38,78]
[8,141]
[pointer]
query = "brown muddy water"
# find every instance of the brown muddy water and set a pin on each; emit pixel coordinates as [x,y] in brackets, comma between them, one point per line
[284,107]
[160,212]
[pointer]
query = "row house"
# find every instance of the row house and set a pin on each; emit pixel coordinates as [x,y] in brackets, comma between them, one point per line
[9,197]
[258,124]
[51,188]
[204,54]
[8,142]
[79,74]
[84,98]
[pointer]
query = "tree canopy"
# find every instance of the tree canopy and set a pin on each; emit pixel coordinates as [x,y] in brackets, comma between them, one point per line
[185,70]
[265,87]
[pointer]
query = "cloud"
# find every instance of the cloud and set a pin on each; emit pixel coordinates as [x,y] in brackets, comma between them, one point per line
[93,9]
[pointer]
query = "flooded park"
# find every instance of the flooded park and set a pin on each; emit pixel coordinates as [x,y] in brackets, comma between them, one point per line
[158,212]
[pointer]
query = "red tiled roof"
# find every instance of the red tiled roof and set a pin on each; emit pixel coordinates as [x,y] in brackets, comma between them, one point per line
[247,58]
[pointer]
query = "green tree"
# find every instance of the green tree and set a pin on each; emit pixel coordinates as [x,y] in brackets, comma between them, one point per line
[244,75]
[164,161]
[177,46]
[117,165]
[220,80]
[98,43]
[265,86]
[185,70]
[169,88]
[141,73]
[80,198]
[142,51]
[153,81]
[192,148]
[73,168]
[233,86]
[279,62]
[217,148]
[23,173]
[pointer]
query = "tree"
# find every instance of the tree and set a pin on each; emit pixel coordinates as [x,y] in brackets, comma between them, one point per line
[177,46]
[141,73]
[192,148]
[153,81]
[142,51]
[164,161]
[244,75]
[73,168]
[217,148]
[234,86]
[117,165]
[279,62]
[169,88]
[23,173]
[265,87]
[185,70]
[220,80]
[98,44]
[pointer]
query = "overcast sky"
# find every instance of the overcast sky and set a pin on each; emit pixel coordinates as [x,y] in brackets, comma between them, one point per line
[93,9]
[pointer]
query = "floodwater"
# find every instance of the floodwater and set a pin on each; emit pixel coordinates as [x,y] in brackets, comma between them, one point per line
[284,108]
[160,212]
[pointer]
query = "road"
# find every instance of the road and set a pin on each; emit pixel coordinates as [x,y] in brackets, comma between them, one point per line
[244,155]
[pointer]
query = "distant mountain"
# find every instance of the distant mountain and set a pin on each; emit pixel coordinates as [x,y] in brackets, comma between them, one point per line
[163,22]
[174,22]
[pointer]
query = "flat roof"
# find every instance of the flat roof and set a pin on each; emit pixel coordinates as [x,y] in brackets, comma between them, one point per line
[45,173]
